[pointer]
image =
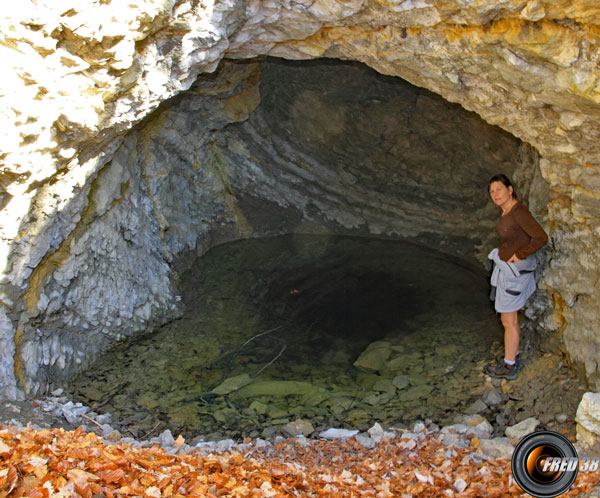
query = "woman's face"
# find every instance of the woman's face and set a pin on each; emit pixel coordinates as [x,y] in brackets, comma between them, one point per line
[499,193]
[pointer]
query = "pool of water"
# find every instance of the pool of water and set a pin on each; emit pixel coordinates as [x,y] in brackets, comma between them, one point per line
[339,331]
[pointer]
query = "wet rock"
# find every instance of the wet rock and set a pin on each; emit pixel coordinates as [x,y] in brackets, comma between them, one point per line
[356,416]
[278,388]
[374,356]
[280,421]
[498,447]
[417,380]
[384,385]
[477,407]
[276,412]
[232,384]
[400,381]
[415,393]
[523,428]
[258,407]
[224,414]
[298,427]
[373,398]
[492,397]
[269,432]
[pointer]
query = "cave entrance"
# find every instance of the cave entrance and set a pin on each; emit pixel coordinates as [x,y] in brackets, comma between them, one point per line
[335,330]
[358,294]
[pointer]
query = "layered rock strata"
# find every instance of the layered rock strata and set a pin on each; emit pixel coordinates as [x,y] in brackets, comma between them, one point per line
[79,76]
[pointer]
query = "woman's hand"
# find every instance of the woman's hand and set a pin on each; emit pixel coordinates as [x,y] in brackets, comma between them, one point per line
[514,259]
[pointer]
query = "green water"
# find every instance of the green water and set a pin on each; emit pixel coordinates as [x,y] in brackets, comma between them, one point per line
[303,309]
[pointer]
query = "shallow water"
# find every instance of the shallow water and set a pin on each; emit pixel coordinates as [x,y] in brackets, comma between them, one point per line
[303,308]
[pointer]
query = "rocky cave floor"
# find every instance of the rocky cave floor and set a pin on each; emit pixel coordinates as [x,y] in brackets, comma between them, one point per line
[546,389]
[409,459]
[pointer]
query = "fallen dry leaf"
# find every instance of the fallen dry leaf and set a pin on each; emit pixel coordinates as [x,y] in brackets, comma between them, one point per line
[179,441]
[78,462]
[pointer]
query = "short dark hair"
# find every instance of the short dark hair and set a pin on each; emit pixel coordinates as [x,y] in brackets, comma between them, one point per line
[505,181]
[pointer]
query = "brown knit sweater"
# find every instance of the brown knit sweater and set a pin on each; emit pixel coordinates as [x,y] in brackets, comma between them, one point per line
[519,233]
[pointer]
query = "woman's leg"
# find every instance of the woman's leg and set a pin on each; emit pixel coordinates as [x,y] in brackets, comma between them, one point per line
[510,321]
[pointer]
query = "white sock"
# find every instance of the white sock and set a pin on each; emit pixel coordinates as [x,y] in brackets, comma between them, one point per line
[509,362]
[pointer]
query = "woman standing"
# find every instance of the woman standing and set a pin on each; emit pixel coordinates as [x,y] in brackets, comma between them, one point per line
[520,237]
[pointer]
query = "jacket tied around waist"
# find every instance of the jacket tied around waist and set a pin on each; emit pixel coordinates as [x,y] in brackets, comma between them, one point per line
[512,283]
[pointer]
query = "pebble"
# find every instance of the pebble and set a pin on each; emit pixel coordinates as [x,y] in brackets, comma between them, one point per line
[166,439]
[492,397]
[561,418]
[477,407]
[454,441]
[365,441]
[460,485]
[376,433]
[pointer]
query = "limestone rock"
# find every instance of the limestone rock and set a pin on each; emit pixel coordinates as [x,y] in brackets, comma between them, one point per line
[374,356]
[476,407]
[400,381]
[498,447]
[338,433]
[366,441]
[232,384]
[376,432]
[166,439]
[588,419]
[277,388]
[414,393]
[523,428]
[298,427]
[492,397]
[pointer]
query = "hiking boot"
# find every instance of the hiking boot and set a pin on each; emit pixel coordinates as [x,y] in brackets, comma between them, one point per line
[518,361]
[502,370]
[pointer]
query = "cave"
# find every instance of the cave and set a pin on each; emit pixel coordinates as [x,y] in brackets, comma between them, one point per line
[198,125]
[303,157]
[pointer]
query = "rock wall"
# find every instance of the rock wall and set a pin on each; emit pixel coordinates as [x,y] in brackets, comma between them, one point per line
[78,76]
